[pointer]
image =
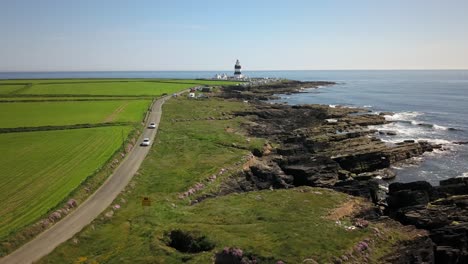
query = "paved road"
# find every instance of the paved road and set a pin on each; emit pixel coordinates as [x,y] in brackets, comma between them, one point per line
[47,241]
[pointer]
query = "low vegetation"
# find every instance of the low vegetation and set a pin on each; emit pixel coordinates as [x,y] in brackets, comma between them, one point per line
[39,169]
[198,139]
[115,80]
[101,87]
[61,144]
[31,114]
[9,89]
[105,88]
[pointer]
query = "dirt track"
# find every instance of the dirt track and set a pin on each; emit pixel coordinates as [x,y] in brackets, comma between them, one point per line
[47,241]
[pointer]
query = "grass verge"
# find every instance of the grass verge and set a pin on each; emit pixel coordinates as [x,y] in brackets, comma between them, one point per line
[197,139]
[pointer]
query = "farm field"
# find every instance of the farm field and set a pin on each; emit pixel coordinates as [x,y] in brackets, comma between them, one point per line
[201,82]
[105,88]
[101,87]
[64,81]
[48,81]
[31,114]
[27,98]
[258,222]
[7,89]
[39,169]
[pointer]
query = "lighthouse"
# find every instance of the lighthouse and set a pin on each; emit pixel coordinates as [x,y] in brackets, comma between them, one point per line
[237,70]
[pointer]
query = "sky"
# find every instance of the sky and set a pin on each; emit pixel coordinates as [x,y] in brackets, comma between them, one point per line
[154,35]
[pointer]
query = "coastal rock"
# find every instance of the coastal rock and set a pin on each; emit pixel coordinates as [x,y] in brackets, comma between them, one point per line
[419,250]
[443,210]
[315,152]
[267,91]
[453,186]
[318,171]
[332,147]
[266,174]
[452,244]
[367,189]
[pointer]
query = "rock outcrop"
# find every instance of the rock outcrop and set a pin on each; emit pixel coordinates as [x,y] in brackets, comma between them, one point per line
[323,146]
[442,210]
[332,147]
[268,91]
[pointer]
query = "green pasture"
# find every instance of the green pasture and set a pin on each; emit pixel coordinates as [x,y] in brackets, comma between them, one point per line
[39,98]
[102,87]
[32,114]
[106,88]
[8,89]
[47,81]
[40,169]
[65,81]
[201,82]
[286,225]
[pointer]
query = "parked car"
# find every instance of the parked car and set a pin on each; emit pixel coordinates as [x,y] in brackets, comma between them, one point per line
[152,125]
[146,142]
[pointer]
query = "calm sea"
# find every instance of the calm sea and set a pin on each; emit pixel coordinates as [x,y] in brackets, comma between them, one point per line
[428,105]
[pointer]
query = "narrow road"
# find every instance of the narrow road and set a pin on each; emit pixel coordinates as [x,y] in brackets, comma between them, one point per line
[65,229]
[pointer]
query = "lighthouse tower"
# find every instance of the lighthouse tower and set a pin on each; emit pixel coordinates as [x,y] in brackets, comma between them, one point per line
[237,70]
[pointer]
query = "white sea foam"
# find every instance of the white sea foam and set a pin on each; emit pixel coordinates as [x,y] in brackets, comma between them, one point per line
[430,126]
[465,174]
[440,127]
[332,106]
[403,131]
[410,118]
[403,116]
[367,106]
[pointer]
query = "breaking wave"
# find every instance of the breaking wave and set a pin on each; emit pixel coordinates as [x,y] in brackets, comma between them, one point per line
[402,116]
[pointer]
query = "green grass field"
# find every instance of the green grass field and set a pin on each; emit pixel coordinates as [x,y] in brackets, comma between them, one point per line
[281,224]
[201,82]
[39,169]
[105,88]
[31,114]
[8,89]
[39,98]
[34,161]
[102,87]
[60,81]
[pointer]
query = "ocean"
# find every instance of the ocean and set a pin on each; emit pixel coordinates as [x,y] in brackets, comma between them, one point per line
[429,105]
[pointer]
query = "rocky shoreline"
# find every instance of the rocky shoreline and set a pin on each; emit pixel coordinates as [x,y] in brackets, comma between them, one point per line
[332,147]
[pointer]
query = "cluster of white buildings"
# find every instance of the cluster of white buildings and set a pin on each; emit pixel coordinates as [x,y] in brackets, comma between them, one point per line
[248,82]
[221,76]
[237,74]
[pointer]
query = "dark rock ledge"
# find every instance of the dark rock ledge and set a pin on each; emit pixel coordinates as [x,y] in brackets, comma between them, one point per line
[317,145]
[443,210]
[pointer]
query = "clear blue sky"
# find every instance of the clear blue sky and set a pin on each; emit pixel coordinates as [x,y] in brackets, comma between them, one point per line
[66,35]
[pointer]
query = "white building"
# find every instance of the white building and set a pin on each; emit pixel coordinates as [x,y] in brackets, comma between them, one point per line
[221,76]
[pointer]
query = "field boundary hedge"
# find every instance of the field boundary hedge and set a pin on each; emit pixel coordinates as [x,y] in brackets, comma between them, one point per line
[49,128]
[70,100]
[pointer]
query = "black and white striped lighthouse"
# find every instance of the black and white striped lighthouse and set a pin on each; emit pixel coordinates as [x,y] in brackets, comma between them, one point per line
[237,70]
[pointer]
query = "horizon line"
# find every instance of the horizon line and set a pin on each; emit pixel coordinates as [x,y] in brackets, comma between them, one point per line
[59,71]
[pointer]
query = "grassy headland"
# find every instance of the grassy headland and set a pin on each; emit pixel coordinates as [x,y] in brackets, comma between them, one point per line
[199,139]
[57,145]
